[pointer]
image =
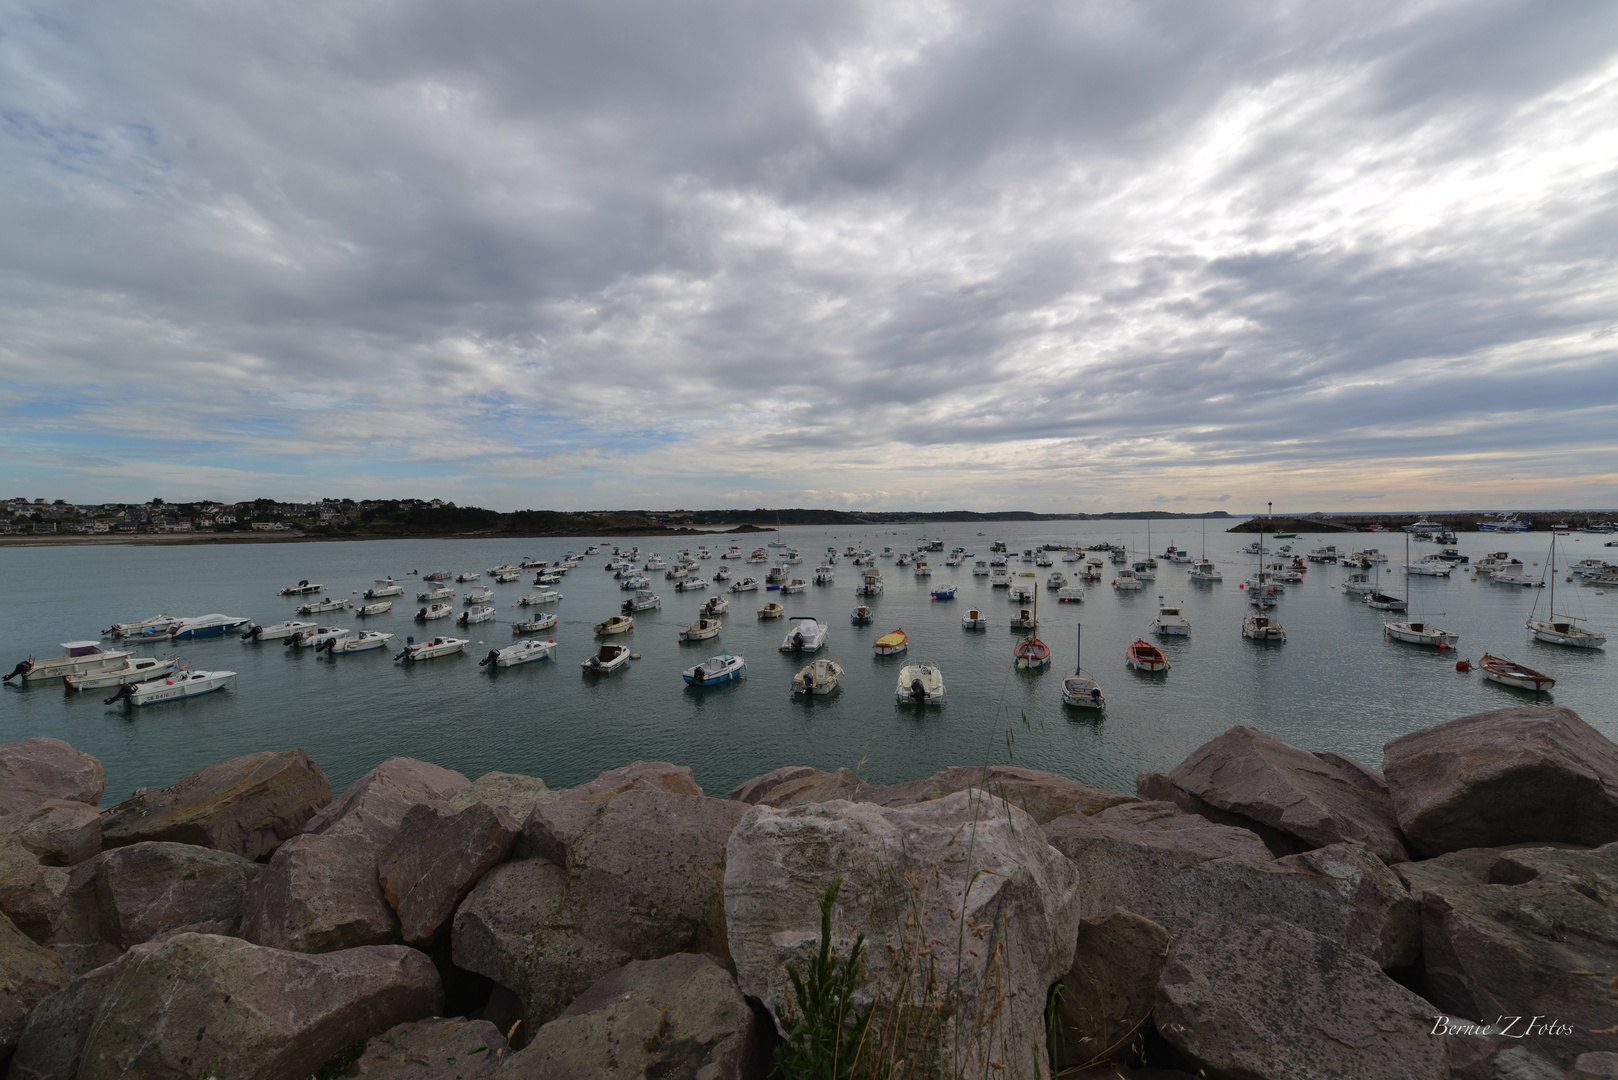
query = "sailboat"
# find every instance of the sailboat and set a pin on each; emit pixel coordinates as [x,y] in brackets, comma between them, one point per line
[1561,629]
[1380,600]
[777,542]
[1255,626]
[1204,570]
[1418,633]
[1032,653]
[1078,689]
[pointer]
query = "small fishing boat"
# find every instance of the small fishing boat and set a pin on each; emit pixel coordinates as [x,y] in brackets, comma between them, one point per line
[870,583]
[643,600]
[690,584]
[384,587]
[1126,580]
[796,585]
[920,683]
[704,628]
[1514,573]
[1510,673]
[434,611]
[1327,554]
[184,684]
[1031,654]
[716,605]
[468,575]
[980,569]
[771,611]
[1070,594]
[138,669]
[428,650]
[806,635]
[302,588]
[275,631]
[157,624]
[503,568]
[1078,689]
[715,670]
[427,596]
[364,641]
[825,575]
[473,615]
[861,616]
[543,596]
[974,620]
[817,678]
[722,574]
[1056,582]
[1262,628]
[1359,584]
[944,592]
[203,626]
[318,606]
[1020,594]
[437,575]
[1169,621]
[525,651]
[1420,633]
[310,639]
[1000,578]
[1381,601]
[608,658]
[922,569]
[618,624]
[551,577]
[1144,569]
[891,643]
[381,607]
[746,584]
[538,624]
[480,595]
[1144,656]
[1429,567]
[1024,619]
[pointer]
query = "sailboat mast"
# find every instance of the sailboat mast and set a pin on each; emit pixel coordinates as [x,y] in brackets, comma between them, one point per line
[1078,650]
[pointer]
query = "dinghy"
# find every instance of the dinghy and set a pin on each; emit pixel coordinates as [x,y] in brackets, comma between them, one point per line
[1510,673]
[817,678]
[537,624]
[1144,656]
[607,659]
[920,683]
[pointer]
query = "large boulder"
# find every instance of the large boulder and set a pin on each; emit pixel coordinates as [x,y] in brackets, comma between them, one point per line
[519,794]
[1172,867]
[246,806]
[655,775]
[200,1001]
[60,832]
[435,859]
[1104,1006]
[963,888]
[1314,799]
[1524,931]
[1262,999]
[372,807]
[153,888]
[682,1015]
[443,1048]
[1511,776]
[29,974]
[634,875]
[53,1042]
[37,770]
[31,894]
[1043,795]
[318,894]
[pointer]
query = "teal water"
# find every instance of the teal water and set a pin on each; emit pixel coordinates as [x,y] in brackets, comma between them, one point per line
[1336,684]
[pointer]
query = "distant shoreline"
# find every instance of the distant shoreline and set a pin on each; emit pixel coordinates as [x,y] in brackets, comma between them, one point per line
[290,537]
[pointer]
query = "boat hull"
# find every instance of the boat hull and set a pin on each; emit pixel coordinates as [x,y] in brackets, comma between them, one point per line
[155,693]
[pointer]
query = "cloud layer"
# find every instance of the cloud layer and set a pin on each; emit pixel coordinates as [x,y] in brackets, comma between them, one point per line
[917,255]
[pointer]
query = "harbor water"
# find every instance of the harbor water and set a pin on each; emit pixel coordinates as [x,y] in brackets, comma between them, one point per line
[1336,684]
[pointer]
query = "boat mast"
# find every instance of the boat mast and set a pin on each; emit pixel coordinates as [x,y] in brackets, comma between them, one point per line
[1078,651]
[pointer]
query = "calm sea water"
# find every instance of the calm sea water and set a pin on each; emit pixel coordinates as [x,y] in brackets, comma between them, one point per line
[1336,684]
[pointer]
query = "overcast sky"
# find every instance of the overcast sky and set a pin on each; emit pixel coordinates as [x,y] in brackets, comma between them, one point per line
[1080,256]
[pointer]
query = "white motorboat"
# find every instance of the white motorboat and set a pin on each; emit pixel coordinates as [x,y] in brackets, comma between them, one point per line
[205,626]
[381,607]
[381,590]
[920,683]
[1204,570]
[302,588]
[276,631]
[704,628]
[825,575]
[364,641]
[525,651]
[429,650]
[746,584]
[157,624]
[655,562]
[1513,572]
[721,575]
[771,610]
[480,595]
[1000,578]
[1118,557]
[796,585]
[505,568]
[1560,628]
[1359,584]
[1169,621]
[1429,567]
[1021,594]
[1262,628]
[974,620]
[1126,580]
[606,659]
[1044,559]
[1420,633]
[1145,569]
[690,584]
[776,576]
[437,575]
[922,569]
[1589,568]
[980,569]
[137,669]
[434,611]
[315,607]
[543,596]
[643,600]
[617,624]
[806,635]
[817,678]
[1024,620]
[1327,554]
[427,596]
[1056,581]
[870,583]
[551,577]
[732,553]
[723,668]
[537,624]
[183,684]
[1510,673]
[309,639]
[469,575]
[472,615]
[1070,594]
[715,605]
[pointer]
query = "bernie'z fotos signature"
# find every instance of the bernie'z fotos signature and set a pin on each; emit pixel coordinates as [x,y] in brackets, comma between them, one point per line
[1512,1027]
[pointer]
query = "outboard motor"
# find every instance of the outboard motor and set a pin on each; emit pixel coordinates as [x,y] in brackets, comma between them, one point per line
[797,641]
[494,654]
[809,682]
[21,670]
[329,645]
[918,692]
[292,639]
[252,633]
[125,692]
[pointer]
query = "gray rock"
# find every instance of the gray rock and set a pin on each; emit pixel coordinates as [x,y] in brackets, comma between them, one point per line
[1104,1006]
[53,1042]
[246,806]
[657,775]
[40,769]
[996,946]
[373,806]
[1172,867]
[1527,931]
[318,894]
[435,859]
[200,1001]
[517,793]
[632,876]
[680,1016]
[1596,1065]
[31,894]
[154,888]
[60,832]
[437,1049]
[1315,799]
[1264,999]
[29,974]
[1518,775]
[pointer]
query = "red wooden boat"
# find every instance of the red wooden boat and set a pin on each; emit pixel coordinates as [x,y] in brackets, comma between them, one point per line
[1144,656]
[1032,653]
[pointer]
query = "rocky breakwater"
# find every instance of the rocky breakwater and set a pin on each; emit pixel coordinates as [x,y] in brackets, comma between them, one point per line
[1259,911]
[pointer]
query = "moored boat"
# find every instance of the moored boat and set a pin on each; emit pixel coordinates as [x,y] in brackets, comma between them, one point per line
[1079,689]
[480,595]
[704,628]
[1420,633]
[428,650]
[473,615]
[302,588]
[157,624]
[1031,654]
[974,620]
[202,626]
[807,635]
[364,641]
[944,592]
[315,607]
[1144,656]
[771,610]
[891,643]
[183,684]
[310,639]
[138,669]
[715,670]
[818,677]
[1510,673]
[746,584]
[538,624]
[276,631]
[1169,621]
[608,658]
[542,596]
[381,607]
[715,605]
[920,683]
[617,624]
[861,616]
[427,596]
[1258,627]
[434,611]
[525,651]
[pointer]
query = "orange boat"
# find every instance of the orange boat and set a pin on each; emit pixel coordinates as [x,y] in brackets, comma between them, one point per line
[1032,653]
[891,643]
[1144,656]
